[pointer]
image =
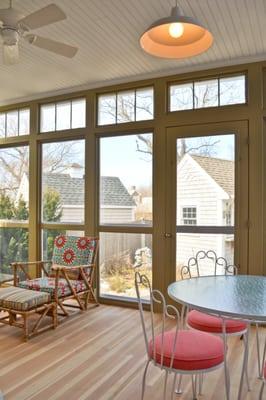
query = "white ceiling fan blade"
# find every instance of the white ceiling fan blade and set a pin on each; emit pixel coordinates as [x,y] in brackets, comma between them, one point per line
[52,45]
[45,16]
[10,54]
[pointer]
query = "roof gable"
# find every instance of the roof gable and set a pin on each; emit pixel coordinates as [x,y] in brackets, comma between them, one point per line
[71,190]
[221,171]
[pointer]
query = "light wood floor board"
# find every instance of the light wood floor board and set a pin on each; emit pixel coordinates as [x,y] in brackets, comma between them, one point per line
[99,355]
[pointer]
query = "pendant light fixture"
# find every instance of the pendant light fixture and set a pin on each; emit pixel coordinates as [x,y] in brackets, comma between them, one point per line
[176,36]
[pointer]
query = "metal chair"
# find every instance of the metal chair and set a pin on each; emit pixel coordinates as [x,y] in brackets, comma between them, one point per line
[210,323]
[217,266]
[176,351]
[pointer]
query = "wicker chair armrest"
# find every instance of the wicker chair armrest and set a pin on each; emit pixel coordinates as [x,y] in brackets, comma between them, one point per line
[26,264]
[70,268]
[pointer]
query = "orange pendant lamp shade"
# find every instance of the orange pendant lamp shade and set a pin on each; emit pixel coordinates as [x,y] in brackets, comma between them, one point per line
[176,36]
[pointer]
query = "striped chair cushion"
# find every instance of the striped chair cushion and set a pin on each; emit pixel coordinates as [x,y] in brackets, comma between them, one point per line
[47,284]
[15,298]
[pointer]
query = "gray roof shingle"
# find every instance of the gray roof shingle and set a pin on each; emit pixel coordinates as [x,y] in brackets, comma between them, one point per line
[71,190]
[221,171]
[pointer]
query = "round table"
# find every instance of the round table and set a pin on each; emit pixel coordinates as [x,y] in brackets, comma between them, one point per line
[240,296]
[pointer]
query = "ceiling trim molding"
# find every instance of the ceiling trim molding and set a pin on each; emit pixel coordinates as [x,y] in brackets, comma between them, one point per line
[164,73]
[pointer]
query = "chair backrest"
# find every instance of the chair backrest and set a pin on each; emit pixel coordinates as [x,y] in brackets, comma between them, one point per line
[74,251]
[207,263]
[155,326]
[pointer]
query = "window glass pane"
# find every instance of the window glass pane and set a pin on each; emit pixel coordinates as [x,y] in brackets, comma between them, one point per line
[14,244]
[47,118]
[126,180]
[24,122]
[233,90]
[181,97]
[144,104]
[48,236]
[63,115]
[12,123]
[206,93]
[78,113]
[125,106]
[107,109]
[2,125]
[63,181]
[121,255]
[206,180]
[14,183]
[188,244]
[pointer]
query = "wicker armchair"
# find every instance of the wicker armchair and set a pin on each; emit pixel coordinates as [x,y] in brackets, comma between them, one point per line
[69,275]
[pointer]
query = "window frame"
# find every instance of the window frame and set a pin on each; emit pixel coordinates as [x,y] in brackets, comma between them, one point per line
[203,79]
[116,93]
[55,103]
[119,228]
[17,110]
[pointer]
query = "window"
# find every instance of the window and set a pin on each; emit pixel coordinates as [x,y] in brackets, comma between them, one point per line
[63,115]
[205,198]
[14,183]
[125,106]
[15,123]
[14,246]
[126,180]
[208,93]
[63,182]
[125,207]
[121,255]
[189,215]
[14,206]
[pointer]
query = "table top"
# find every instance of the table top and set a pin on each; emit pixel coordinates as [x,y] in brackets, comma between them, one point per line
[242,296]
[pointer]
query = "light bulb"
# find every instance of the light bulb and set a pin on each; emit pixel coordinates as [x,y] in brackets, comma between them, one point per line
[176,30]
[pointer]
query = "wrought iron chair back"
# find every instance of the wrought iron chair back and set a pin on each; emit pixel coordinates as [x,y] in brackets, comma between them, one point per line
[156,325]
[196,266]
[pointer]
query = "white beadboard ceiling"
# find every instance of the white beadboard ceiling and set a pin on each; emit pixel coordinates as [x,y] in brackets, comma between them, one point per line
[107,33]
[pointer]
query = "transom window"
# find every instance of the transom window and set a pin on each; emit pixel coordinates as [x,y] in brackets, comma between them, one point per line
[15,123]
[70,114]
[125,106]
[189,215]
[220,91]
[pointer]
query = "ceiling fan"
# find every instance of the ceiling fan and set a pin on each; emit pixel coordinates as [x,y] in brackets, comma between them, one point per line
[14,26]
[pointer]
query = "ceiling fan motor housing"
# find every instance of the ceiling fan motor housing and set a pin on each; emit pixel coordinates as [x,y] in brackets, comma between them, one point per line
[10,36]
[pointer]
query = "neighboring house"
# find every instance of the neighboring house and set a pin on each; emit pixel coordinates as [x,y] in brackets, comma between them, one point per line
[117,205]
[205,196]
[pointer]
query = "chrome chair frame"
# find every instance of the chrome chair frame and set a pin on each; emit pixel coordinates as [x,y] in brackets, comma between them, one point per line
[168,312]
[227,269]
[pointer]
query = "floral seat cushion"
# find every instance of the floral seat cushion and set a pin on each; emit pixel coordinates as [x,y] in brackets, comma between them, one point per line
[48,285]
[71,251]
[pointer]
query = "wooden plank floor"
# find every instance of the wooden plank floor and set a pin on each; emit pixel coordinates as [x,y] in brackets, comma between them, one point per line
[99,355]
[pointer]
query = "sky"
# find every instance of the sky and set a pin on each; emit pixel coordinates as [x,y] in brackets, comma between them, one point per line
[119,157]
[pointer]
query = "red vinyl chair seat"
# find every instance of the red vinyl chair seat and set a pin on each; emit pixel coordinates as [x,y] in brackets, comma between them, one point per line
[209,323]
[193,351]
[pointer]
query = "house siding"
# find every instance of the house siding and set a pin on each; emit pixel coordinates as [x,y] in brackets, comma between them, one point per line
[196,189]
